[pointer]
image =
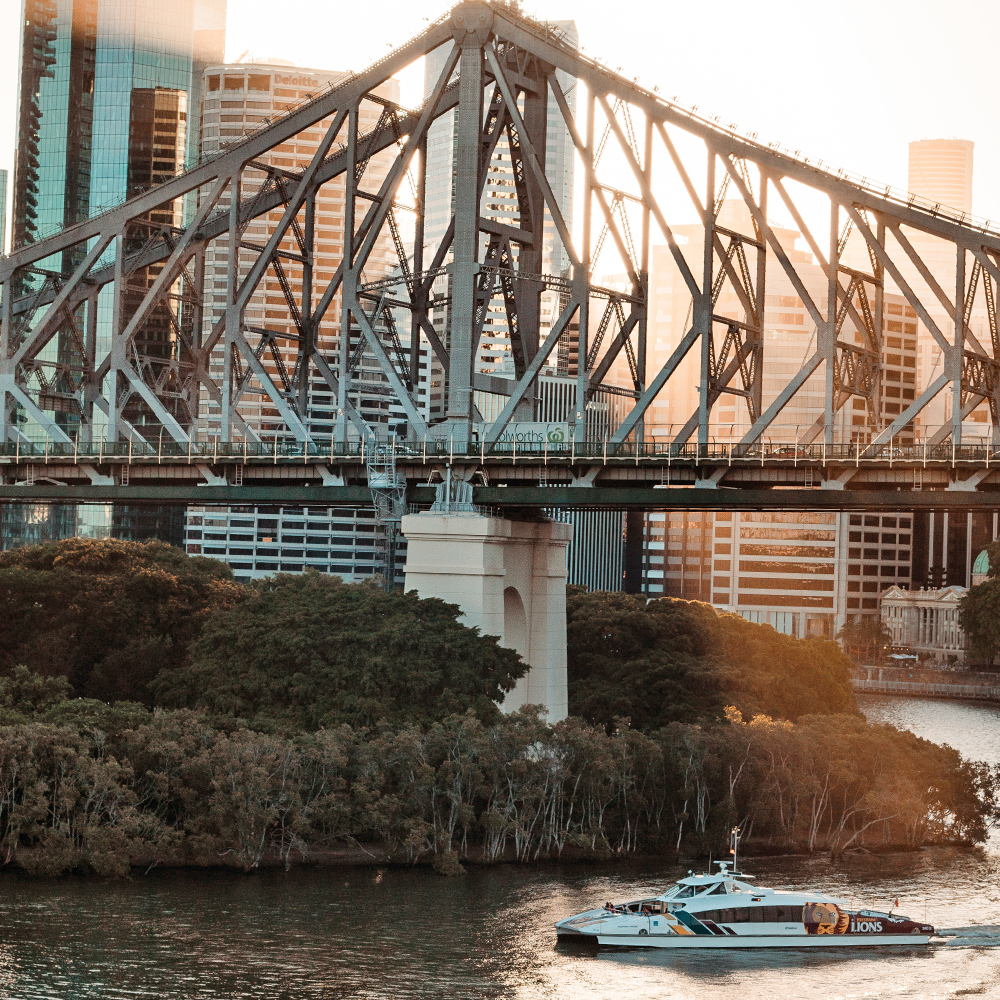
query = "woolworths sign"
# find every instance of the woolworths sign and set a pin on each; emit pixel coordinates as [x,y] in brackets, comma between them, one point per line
[531,434]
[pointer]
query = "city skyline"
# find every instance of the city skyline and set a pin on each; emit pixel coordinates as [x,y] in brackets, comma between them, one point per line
[939,102]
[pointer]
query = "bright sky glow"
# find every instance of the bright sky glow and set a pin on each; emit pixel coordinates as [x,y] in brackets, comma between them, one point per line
[851,83]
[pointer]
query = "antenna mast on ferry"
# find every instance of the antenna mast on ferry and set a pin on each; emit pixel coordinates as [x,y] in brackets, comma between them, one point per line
[733,850]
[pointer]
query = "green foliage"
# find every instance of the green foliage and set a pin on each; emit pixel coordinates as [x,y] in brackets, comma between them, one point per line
[646,661]
[311,651]
[106,614]
[979,616]
[765,672]
[866,640]
[26,692]
[175,789]
[669,660]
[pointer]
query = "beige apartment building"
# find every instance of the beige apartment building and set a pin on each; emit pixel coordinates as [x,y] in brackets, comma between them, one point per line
[805,573]
[239,98]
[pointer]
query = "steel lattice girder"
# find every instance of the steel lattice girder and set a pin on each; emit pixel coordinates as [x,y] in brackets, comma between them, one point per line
[504,63]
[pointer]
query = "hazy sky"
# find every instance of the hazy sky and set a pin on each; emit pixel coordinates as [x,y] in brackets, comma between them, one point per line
[850,83]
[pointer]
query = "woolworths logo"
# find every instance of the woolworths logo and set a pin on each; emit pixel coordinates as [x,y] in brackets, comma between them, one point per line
[554,434]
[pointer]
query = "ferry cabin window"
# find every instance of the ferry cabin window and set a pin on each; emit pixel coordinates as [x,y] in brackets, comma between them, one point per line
[754,914]
[649,905]
[714,890]
[684,892]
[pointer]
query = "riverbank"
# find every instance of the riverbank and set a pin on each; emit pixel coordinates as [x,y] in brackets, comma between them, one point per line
[375,855]
[923,683]
[400,931]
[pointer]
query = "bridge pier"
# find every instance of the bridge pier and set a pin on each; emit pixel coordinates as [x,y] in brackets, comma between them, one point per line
[509,579]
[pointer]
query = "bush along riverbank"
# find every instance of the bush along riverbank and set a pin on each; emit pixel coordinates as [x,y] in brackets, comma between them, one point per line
[95,788]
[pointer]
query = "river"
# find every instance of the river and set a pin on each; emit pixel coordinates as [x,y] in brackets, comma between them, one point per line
[404,933]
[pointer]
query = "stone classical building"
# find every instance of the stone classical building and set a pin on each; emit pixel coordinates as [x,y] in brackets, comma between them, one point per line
[924,620]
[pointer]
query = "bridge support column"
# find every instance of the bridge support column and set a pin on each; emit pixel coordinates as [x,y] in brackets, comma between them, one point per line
[509,579]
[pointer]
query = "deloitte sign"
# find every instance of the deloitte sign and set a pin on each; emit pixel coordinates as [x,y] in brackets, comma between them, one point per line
[530,435]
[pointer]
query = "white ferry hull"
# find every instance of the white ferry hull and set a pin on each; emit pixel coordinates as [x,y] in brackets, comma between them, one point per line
[753,940]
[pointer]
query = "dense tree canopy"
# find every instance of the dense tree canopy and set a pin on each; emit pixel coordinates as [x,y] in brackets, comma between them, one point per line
[979,612]
[671,660]
[106,614]
[310,650]
[979,617]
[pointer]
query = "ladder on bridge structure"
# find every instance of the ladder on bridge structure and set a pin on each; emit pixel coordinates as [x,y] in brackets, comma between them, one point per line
[388,489]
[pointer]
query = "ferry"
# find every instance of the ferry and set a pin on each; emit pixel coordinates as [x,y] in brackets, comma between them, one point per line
[725,910]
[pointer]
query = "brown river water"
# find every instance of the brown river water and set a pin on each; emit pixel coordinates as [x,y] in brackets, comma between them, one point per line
[399,933]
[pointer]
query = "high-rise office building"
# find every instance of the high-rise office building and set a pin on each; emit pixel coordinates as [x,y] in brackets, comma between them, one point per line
[104,85]
[35,523]
[940,170]
[940,173]
[238,97]
[789,339]
[108,106]
[259,541]
[803,573]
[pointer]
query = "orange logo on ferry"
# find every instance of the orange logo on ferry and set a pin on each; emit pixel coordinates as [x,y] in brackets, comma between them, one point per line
[824,918]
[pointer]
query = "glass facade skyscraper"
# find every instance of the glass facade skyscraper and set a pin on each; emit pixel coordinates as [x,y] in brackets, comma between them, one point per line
[109,105]
[98,80]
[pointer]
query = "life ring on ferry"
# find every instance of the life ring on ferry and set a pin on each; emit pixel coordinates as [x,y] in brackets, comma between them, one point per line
[643,932]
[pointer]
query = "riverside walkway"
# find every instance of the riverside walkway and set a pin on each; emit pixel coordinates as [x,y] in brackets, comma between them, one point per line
[966,685]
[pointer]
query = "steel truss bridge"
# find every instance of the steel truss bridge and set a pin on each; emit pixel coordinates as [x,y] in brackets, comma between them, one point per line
[134,433]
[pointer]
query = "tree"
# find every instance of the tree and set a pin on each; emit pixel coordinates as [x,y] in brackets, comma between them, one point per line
[645,661]
[669,660]
[310,651]
[865,639]
[979,617]
[107,614]
[767,672]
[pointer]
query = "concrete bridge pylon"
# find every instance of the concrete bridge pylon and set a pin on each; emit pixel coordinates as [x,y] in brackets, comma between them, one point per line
[509,579]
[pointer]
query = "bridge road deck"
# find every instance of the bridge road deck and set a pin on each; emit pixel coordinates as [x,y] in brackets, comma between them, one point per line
[765,476]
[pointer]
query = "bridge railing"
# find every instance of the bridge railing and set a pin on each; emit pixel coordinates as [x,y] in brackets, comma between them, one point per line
[591,450]
[660,452]
[976,691]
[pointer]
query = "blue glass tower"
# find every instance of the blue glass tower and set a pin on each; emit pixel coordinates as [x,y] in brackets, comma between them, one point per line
[109,106]
[105,84]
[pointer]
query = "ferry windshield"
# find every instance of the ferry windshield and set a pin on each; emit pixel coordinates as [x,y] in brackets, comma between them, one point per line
[684,892]
[712,890]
